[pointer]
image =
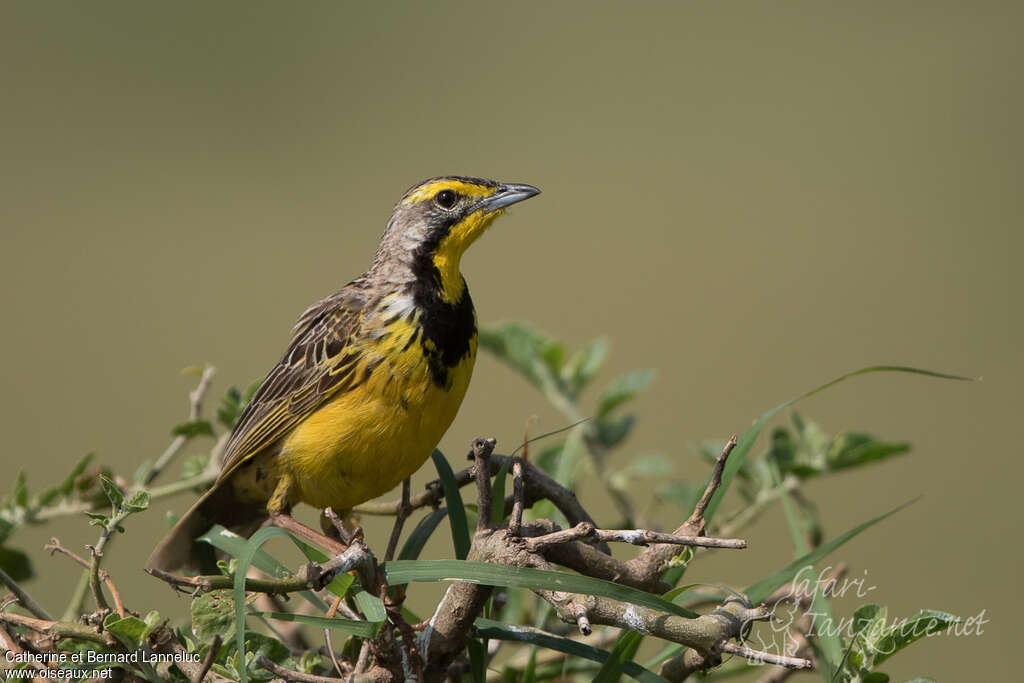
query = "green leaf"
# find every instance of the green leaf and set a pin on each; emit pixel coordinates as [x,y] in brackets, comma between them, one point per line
[611,431]
[477,659]
[21,490]
[371,606]
[6,528]
[854,449]
[625,649]
[583,366]
[622,389]
[213,613]
[16,564]
[742,449]
[757,592]
[497,631]
[521,577]
[421,534]
[901,635]
[456,510]
[129,630]
[534,354]
[230,407]
[193,429]
[363,629]
[876,677]
[113,493]
[138,502]
[68,485]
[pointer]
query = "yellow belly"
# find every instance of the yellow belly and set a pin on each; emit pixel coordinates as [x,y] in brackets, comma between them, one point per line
[365,441]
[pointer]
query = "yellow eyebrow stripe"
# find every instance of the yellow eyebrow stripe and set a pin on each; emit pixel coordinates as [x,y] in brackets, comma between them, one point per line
[463,188]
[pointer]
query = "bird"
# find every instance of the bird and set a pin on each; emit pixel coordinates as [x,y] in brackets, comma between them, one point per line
[371,380]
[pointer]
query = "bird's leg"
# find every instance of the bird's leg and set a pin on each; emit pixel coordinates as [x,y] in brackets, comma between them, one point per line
[340,527]
[279,510]
[289,523]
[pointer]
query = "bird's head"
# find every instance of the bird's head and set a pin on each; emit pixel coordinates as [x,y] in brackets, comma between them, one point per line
[435,222]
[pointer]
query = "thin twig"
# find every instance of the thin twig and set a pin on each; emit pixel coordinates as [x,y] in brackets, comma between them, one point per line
[310,577]
[482,449]
[54,546]
[515,522]
[766,657]
[24,598]
[331,611]
[404,510]
[208,660]
[643,537]
[696,519]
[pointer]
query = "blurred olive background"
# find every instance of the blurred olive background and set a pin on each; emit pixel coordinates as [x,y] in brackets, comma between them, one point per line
[750,198]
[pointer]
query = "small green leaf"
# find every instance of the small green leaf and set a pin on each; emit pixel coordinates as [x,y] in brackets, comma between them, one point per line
[623,388]
[68,485]
[16,563]
[900,635]
[193,429]
[113,493]
[138,502]
[129,630]
[876,677]
[21,490]
[6,527]
[611,431]
[583,366]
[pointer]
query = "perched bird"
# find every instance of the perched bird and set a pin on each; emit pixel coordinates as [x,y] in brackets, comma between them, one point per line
[371,380]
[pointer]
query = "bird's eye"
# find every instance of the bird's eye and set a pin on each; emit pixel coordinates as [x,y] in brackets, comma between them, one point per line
[446,199]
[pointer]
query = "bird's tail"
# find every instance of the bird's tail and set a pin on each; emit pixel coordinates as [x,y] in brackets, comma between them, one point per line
[216,506]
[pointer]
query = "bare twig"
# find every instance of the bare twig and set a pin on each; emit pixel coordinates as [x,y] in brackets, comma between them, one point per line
[60,629]
[766,657]
[311,577]
[404,510]
[54,546]
[644,537]
[481,453]
[515,522]
[208,660]
[23,597]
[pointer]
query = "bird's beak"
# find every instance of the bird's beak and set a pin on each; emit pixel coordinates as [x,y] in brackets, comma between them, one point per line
[507,194]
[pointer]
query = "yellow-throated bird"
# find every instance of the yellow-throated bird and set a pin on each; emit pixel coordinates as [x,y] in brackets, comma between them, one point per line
[371,380]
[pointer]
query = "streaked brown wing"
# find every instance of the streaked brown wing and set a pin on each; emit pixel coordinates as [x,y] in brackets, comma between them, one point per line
[312,369]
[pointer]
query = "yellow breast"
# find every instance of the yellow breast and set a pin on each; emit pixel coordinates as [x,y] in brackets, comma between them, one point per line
[367,439]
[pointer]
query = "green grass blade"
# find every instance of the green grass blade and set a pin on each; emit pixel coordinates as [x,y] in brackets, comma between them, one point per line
[743,445]
[413,545]
[456,511]
[498,631]
[522,577]
[757,592]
